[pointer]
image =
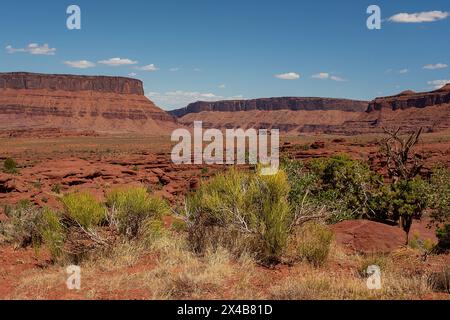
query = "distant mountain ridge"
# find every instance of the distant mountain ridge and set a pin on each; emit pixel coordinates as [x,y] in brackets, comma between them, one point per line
[272,104]
[409,110]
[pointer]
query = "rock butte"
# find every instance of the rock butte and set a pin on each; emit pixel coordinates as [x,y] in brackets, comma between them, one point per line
[101,104]
[408,109]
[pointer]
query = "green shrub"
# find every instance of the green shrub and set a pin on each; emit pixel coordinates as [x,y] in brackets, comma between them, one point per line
[241,212]
[56,188]
[133,207]
[10,166]
[443,234]
[312,243]
[83,209]
[440,195]
[409,199]
[373,259]
[21,228]
[52,232]
[342,185]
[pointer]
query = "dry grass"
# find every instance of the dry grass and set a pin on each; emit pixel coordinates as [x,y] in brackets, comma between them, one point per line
[169,270]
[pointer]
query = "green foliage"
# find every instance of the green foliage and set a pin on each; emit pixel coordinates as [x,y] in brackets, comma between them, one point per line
[443,235]
[52,232]
[10,166]
[440,194]
[84,209]
[312,243]
[56,188]
[343,186]
[240,210]
[133,207]
[21,228]
[401,202]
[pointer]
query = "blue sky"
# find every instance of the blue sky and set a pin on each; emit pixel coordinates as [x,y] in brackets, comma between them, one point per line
[212,50]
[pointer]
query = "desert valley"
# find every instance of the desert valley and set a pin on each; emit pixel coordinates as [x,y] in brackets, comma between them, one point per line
[91,143]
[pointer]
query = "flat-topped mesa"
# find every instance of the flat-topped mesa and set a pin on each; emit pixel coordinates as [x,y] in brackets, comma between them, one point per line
[274,104]
[410,99]
[36,81]
[79,103]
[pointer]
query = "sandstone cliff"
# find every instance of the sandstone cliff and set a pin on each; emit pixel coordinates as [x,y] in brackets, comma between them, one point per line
[410,99]
[102,104]
[409,110]
[273,104]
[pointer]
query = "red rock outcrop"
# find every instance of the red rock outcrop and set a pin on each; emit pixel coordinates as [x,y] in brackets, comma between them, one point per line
[408,110]
[410,99]
[101,104]
[274,104]
[368,236]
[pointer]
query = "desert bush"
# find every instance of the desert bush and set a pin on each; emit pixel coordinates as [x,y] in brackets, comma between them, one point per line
[133,208]
[311,243]
[10,166]
[342,187]
[241,212]
[21,227]
[83,209]
[52,232]
[443,234]
[440,281]
[403,202]
[379,260]
[56,188]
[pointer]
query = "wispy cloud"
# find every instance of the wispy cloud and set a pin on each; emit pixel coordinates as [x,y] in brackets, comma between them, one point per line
[326,76]
[437,84]
[288,76]
[403,71]
[420,17]
[80,64]
[221,86]
[149,68]
[435,66]
[117,62]
[174,69]
[33,48]
[132,74]
[321,75]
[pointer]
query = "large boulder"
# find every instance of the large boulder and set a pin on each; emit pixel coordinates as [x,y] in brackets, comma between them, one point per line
[368,237]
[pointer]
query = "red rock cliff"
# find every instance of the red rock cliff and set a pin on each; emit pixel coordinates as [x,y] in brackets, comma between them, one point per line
[22,80]
[273,104]
[102,104]
[411,99]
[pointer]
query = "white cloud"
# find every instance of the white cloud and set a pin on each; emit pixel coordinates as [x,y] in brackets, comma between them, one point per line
[326,75]
[174,69]
[288,76]
[420,17]
[179,98]
[321,75]
[149,68]
[197,69]
[81,64]
[437,84]
[338,79]
[117,62]
[33,48]
[222,86]
[403,71]
[132,74]
[435,66]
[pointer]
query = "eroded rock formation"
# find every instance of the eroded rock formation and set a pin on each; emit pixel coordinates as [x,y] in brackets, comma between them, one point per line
[101,104]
